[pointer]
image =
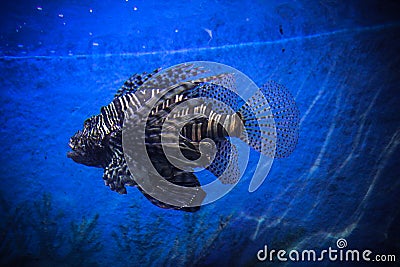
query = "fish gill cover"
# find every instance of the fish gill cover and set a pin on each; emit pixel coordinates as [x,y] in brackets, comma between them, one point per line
[61,61]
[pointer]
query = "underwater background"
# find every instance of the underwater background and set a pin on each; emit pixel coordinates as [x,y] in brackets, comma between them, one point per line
[60,61]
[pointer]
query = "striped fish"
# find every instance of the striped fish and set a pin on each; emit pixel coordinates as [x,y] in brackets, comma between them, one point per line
[99,144]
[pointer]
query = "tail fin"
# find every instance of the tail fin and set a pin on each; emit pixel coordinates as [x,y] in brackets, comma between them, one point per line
[271,120]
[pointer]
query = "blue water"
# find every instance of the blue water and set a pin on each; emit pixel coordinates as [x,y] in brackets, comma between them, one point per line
[60,61]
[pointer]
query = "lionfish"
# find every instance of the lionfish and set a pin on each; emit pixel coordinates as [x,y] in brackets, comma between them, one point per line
[99,143]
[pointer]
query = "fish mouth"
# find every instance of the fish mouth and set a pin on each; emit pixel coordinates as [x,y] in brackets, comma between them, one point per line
[75,154]
[71,154]
[79,157]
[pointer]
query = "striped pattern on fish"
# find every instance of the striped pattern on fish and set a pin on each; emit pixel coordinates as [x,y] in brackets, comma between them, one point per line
[99,144]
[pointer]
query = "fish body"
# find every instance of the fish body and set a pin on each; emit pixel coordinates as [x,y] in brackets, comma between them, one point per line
[99,143]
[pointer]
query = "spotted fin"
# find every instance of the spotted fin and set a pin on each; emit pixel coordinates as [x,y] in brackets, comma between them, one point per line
[134,82]
[226,156]
[218,93]
[179,73]
[226,80]
[272,129]
[286,115]
[186,72]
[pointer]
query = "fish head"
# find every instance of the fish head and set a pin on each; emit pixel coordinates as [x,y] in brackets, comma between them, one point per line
[86,147]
